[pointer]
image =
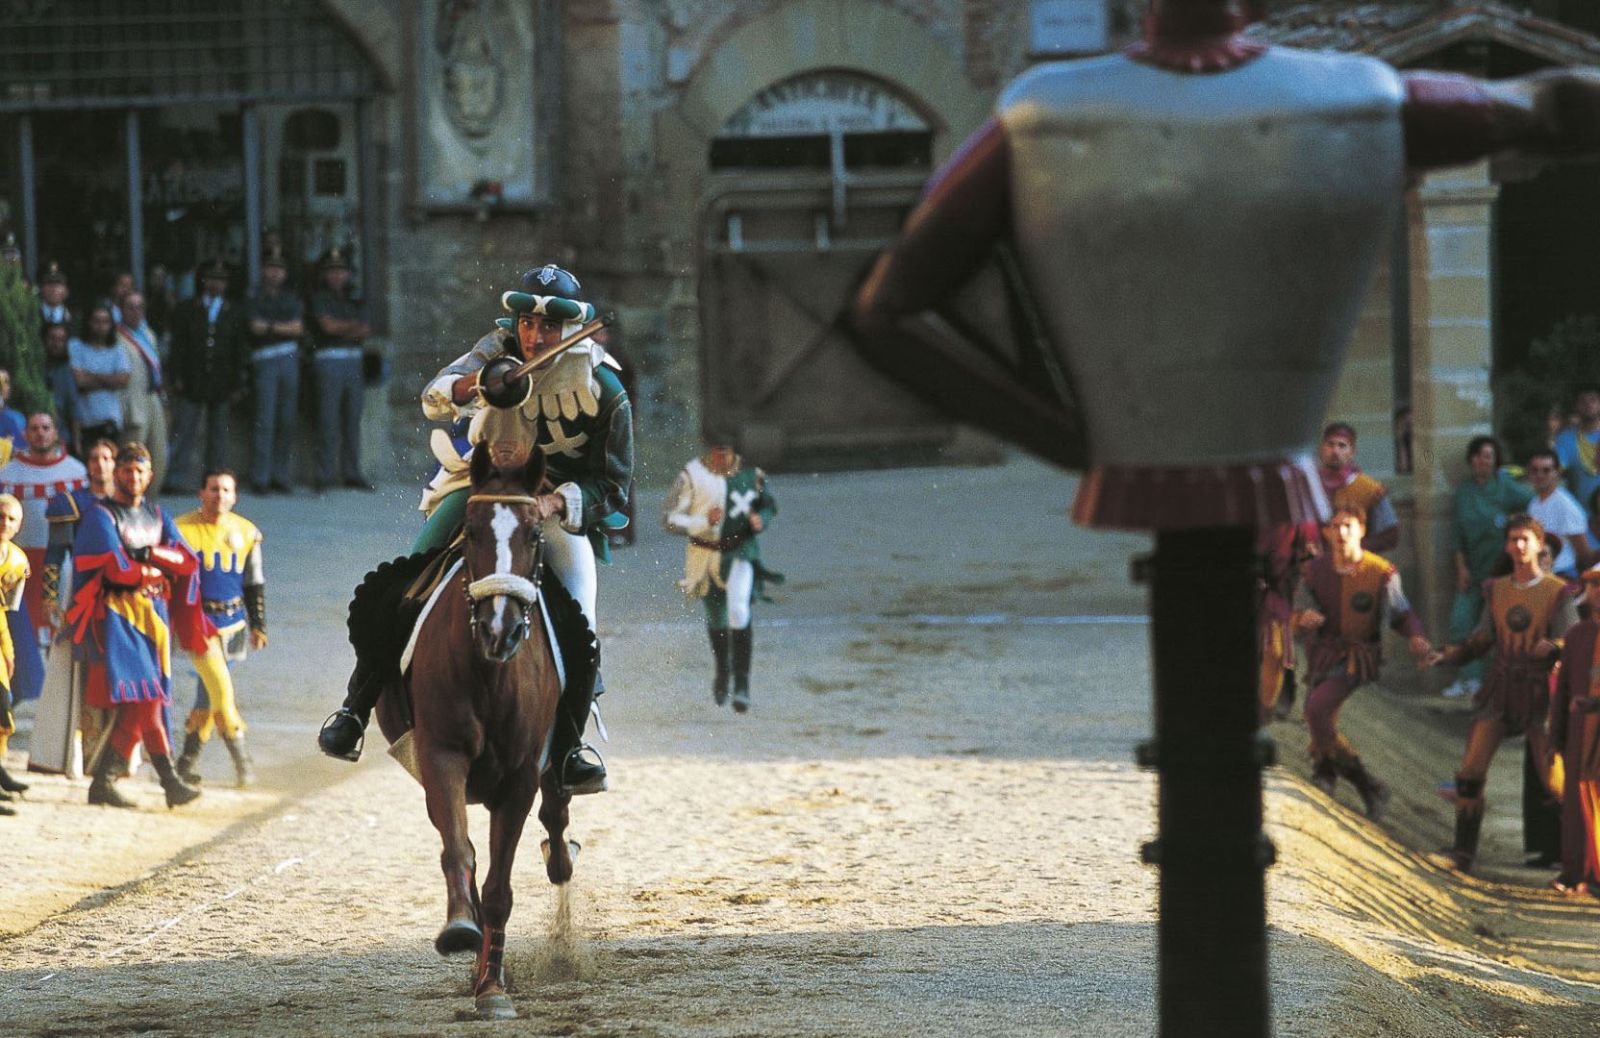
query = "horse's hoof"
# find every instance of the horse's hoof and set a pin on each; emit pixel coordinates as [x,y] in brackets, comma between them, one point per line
[459,935]
[496,1007]
[573,847]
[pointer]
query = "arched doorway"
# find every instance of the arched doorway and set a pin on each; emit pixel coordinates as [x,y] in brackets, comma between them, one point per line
[797,147]
[809,180]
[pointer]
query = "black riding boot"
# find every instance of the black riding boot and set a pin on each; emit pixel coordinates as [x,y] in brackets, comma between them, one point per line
[1374,794]
[101,791]
[9,784]
[1469,822]
[188,763]
[578,765]
[1285,704]
[244,768]
[342,733]
[719,654]
[1325,774]
[740,640]
[178,791]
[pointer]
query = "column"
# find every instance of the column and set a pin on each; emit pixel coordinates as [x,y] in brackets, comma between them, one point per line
[250,126]
[135,199]
[1449,220]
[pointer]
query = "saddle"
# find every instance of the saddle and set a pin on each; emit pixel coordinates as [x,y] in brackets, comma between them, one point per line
[390,599]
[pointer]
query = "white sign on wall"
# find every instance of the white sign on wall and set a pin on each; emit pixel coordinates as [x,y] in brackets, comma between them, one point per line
[818,103]
[1066,27]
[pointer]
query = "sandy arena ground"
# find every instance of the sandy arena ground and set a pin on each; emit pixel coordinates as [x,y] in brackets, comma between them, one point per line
[928,825]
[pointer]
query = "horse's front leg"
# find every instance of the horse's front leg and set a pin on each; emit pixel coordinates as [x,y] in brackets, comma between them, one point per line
[444,779]
[553,813]
[506,820]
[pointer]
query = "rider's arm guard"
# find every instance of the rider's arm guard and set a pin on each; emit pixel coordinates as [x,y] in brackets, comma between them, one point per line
[255,607]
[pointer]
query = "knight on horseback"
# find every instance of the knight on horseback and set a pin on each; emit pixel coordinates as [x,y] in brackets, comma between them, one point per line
[573,409]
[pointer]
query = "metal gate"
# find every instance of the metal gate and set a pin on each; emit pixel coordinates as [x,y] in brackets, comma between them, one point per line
[780,261]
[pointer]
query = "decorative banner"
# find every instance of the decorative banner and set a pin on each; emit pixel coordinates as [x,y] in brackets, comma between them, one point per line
[477,133]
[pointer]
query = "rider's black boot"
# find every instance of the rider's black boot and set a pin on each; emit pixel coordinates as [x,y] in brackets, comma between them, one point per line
[579,765]
[178,791]
[188,763]
[342,733]
[719,654]
[740,641]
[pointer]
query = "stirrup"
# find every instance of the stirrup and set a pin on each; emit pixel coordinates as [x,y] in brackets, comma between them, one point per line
[352,754]
[593,784]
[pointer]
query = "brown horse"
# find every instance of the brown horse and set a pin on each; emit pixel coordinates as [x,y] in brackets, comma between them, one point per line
[483,690]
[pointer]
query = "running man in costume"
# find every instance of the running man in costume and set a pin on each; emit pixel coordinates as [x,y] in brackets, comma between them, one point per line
[1347,486]
[574,410]
[137,591]
[1575,735]
[1348,593]
[233,592]
[13,575]
[1526,615]
[722,505]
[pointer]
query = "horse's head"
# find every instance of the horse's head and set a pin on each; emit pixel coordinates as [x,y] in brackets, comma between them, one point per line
[502,551]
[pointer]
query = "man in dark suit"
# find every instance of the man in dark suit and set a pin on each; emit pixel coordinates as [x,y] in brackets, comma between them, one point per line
[205,373]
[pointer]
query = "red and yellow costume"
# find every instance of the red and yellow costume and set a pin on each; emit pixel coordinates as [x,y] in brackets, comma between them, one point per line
[1575,733]
[1344,653]
[1516,690]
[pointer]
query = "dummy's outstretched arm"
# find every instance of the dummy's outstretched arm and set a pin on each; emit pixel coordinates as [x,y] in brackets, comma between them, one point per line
[1451,119]
[964,212]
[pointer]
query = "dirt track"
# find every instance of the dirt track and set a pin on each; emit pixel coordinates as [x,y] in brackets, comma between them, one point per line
[929,825]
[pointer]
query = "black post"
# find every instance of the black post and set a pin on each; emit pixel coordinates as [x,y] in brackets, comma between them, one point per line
[1210,847]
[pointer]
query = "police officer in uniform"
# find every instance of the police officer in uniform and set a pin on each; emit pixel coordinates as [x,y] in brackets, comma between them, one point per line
[205,371]
[277,320]
[338,324]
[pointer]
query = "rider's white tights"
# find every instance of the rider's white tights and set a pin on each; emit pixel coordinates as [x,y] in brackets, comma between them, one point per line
[571,556]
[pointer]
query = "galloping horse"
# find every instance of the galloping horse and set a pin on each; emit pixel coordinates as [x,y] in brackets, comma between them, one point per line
[483,688]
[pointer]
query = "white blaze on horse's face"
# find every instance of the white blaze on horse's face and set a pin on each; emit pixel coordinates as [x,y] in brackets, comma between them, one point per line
[504,524]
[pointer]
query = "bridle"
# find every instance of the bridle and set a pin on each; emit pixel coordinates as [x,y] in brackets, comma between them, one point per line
[524,590]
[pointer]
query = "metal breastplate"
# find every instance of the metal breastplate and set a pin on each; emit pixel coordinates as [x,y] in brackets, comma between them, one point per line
[139,527]
[1201,244]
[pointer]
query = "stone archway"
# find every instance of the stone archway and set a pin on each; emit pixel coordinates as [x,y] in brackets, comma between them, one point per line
[797,38]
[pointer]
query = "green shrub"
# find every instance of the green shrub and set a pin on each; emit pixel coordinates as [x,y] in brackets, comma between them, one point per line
[21,351]
[1557,365]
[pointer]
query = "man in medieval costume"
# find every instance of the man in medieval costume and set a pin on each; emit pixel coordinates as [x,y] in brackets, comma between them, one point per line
[570,407]
[722,505]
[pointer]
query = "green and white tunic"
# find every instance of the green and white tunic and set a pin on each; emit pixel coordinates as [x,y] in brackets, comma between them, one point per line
[722,562]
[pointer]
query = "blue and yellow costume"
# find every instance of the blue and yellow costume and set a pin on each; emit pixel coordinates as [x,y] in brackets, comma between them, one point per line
[233,595]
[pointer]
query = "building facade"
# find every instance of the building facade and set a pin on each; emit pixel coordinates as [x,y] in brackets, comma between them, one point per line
[719,173]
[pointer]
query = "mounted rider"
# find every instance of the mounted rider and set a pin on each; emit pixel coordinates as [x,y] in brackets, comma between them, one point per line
[573,409]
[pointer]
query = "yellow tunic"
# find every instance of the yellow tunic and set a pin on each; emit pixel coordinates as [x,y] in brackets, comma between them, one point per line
[13,575]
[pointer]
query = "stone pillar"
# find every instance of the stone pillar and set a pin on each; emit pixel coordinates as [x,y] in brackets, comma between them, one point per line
[1449,219]
[1364,396]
